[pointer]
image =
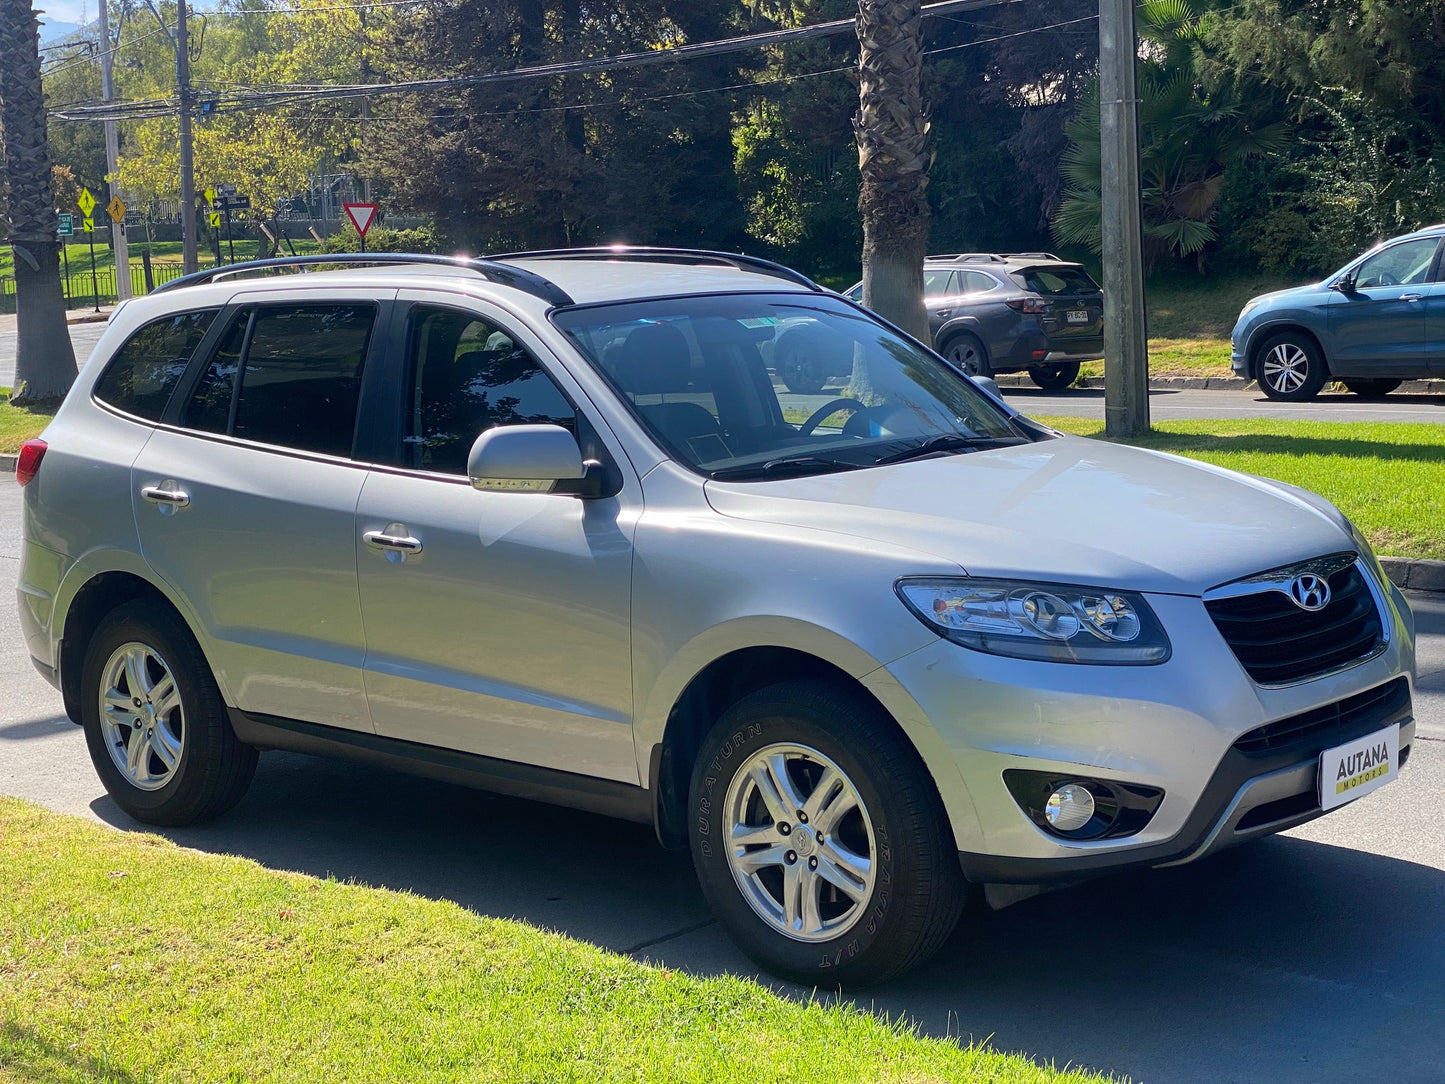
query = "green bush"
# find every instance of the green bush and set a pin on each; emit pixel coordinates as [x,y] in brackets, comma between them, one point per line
[380,239]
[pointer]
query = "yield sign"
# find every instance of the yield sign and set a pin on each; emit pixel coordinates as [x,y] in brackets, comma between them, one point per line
[362,215]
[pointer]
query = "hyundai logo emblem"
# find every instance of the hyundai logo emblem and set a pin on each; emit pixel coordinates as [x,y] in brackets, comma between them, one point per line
[1310,592]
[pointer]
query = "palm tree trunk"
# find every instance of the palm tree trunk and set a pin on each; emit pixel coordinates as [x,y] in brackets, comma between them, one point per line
[893,157]
[44,359]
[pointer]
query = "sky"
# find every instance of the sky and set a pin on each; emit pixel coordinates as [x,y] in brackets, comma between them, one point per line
[66,11]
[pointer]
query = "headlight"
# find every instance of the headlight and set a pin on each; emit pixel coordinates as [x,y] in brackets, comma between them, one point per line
[1249,306]
[1050,622]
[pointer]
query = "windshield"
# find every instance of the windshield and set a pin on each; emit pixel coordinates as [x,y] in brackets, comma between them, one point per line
[760,386]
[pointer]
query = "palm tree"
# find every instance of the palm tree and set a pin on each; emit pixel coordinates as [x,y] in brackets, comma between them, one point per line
[44,359]
[893,157]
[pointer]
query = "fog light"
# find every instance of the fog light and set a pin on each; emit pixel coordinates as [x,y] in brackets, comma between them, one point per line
[1069,808]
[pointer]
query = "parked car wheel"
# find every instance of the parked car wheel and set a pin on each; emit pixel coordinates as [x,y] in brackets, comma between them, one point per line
[799,362]
[1371,388]
[1055,377]
[155,722]
[819,839]
[968,353]
[1290,368]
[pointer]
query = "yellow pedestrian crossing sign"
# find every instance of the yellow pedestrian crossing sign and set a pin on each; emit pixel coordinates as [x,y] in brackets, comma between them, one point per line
[116,209]
[87,223]
[86,202]
[215,219]
[211,198]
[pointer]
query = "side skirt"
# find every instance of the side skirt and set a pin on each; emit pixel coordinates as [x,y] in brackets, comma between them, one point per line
[605,796]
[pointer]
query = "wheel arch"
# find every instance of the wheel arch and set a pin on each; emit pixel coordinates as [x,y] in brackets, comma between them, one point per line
[1261,335]
[960,325]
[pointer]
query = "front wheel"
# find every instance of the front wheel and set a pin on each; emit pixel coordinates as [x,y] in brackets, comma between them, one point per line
[155,723]
[1055,377]
[819,839]
[1371,387]
[1291,368]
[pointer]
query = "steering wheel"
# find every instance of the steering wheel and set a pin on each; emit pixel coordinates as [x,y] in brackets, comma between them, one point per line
[1387,279]
[832,406]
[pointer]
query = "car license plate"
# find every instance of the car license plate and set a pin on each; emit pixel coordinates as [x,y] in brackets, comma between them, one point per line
[1354,769]
[1078,316]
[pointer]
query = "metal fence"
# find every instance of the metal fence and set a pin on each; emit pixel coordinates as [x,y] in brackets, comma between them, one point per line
[83,289]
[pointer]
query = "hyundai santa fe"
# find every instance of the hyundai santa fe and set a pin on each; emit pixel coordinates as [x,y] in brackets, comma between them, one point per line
[540,524]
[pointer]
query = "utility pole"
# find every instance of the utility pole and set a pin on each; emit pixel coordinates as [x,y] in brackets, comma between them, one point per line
[189,262]
[1126,347]
[118,240]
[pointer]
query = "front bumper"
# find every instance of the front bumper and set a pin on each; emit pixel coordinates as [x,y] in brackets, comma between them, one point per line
[1174,727]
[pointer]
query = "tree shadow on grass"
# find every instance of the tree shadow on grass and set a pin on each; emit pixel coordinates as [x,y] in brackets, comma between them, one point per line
[27,1057]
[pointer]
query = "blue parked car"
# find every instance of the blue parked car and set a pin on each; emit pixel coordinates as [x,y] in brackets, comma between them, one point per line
[1376,321]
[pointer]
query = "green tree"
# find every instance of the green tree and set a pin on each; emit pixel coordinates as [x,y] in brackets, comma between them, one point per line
[44,359]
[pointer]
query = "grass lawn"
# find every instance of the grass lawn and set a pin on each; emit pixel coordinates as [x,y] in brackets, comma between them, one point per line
[1387,477]
[125,958]
[19,424]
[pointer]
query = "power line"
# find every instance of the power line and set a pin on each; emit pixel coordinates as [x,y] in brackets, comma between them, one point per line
[651,57]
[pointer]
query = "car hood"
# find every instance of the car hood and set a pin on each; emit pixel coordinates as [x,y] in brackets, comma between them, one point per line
[1069,510]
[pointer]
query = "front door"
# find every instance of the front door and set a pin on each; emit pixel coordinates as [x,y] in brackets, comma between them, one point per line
[1378,330]
[504,630]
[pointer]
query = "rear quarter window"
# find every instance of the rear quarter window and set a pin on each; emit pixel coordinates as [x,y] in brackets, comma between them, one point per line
[145,371]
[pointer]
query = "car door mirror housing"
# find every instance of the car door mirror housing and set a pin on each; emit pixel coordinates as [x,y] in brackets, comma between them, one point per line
[1345,284]
[529,459]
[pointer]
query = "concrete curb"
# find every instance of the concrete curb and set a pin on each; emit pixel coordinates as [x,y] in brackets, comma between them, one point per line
[1415,574]
[1205,383]
[7,463]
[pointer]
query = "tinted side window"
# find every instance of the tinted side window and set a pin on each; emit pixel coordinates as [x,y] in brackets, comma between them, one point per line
[299,370]
[1403,264]
[140,378]
[469,376]
[937,283]
[1059,281]
[976,282]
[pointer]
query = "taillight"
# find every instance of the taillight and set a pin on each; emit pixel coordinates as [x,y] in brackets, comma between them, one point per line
[1032,305]
[28,462]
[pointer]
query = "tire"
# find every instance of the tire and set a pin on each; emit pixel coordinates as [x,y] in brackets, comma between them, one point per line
[167,755]
[1290,368]
[1055,377]
[799,362]
[1371,388]
[902,904]
[968,354]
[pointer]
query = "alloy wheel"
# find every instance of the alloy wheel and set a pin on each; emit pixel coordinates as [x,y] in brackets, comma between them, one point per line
[142,719]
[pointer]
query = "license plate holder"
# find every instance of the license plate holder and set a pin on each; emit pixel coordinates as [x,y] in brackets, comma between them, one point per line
[1352,770]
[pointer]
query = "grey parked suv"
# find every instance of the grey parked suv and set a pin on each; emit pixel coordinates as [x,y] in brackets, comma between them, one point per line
[540,524]
[1010,312]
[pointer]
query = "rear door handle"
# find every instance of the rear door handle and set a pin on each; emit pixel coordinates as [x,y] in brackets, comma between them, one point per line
[168,495]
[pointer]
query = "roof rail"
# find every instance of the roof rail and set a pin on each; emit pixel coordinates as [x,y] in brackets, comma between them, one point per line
[674,255]
[514,277]
[968,257]
[1030,256]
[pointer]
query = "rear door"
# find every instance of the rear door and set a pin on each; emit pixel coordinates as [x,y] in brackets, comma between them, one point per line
[246,503]
[1073,316]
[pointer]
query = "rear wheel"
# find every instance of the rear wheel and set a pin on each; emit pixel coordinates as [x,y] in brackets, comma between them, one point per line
[1291,368]
[968,353]
[1055,377]
[1371,388]
[819,839]
[155,723]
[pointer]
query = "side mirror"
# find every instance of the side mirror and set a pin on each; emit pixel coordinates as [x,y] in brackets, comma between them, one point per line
[988,384]
[531,459]
[1345,284]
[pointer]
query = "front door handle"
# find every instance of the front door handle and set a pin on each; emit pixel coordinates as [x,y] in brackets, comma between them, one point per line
[393,542]
[1411,297]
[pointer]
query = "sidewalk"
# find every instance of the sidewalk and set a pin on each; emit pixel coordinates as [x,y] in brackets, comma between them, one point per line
[8,324]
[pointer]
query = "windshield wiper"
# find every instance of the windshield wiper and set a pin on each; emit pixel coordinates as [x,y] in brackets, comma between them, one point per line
[949,442]
[777,468]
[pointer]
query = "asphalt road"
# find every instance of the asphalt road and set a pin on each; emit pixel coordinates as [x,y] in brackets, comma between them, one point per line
[83,338]
[1314,956]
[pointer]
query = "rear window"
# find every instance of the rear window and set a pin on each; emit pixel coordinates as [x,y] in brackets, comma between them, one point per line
[1058,280]
[141,377]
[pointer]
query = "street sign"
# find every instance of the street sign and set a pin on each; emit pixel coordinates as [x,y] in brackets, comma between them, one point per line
[211,196]
[116,209]
[233,203]
[67,226]
[227,189]
[362,215]
[214,218]
[88,224]
[86,202]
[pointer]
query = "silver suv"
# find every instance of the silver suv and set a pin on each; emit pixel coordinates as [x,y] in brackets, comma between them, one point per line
[544,524]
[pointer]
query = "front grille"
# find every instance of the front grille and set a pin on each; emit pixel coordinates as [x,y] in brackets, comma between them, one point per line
[1314,731]
[1277,642]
